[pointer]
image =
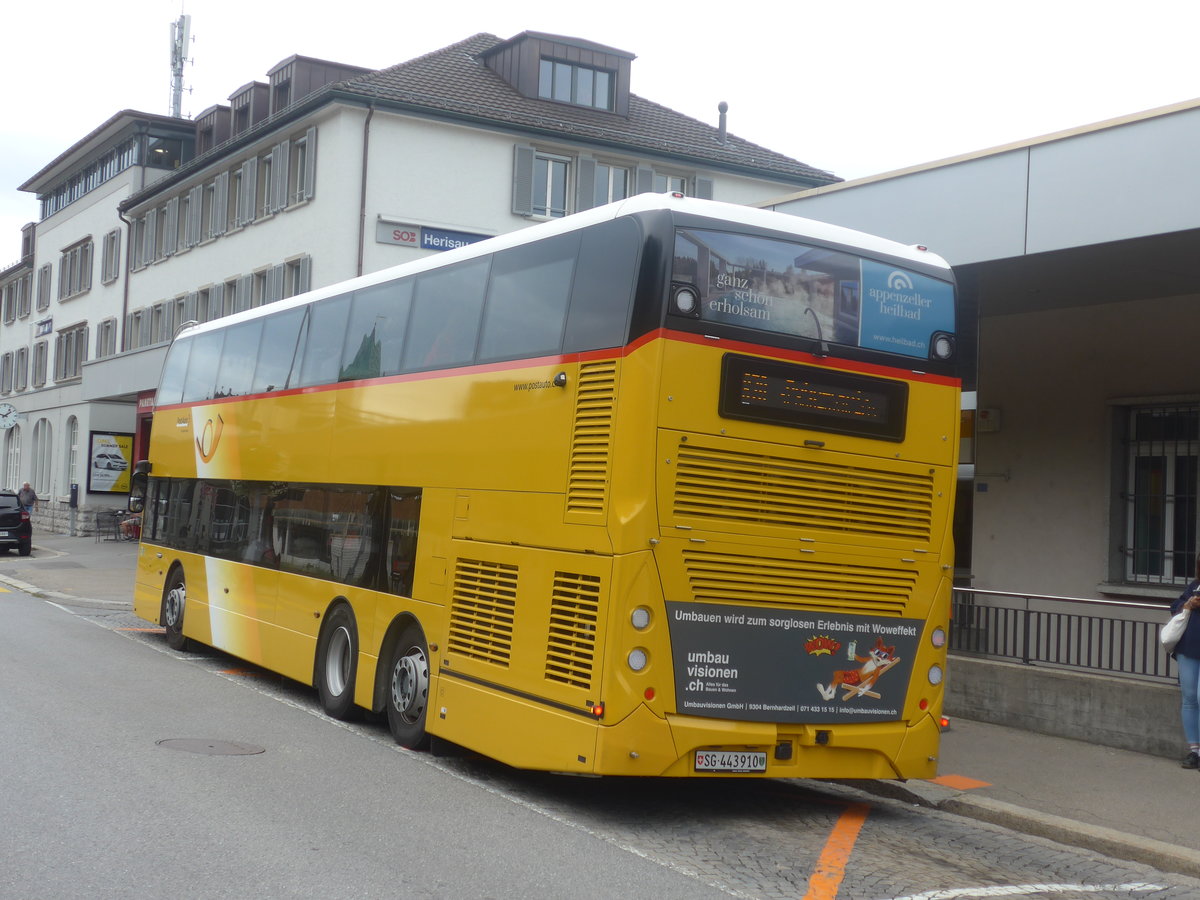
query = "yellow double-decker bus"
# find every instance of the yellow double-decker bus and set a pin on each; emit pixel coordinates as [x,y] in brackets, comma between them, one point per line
[662,488]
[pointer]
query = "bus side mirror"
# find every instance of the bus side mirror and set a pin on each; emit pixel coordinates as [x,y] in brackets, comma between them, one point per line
[139,483]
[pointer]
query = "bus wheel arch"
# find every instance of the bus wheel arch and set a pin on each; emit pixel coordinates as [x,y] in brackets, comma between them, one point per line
[402,687]
[335,666]
[174,607]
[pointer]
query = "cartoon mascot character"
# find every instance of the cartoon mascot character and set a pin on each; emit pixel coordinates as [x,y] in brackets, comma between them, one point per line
[859,682]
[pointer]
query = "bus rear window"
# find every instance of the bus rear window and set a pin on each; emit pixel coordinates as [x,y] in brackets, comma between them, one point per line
[821,294]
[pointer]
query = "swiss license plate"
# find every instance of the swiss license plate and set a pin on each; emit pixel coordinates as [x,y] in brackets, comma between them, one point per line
[731,761]
[4,534]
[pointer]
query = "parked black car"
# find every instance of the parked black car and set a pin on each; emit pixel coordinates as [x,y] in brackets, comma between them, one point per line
[15,530]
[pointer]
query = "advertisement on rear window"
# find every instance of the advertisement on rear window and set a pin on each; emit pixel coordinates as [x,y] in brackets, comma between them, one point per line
[756,664]
[812,292]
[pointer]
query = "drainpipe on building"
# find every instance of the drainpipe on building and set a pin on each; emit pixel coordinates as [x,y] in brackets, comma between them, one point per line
[362,197]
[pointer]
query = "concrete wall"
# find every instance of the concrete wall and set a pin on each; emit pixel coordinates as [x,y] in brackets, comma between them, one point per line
[1045,480]
[1114,712]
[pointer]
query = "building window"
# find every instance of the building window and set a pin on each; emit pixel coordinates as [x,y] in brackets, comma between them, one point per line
[21,369]
[45,273]
[236,202]
[24,287]
[303,166]
[70,352]
[262,200]
[43,455]
[110,265]
[207,197]
[106,338]
[229,298]
[137,329]
[12,458]
[550,174]
[612,183]
[296,276]
[41,350]
[164,232]
[10,302]
[1162,454]
[664,183]
[572,83]
[72,455]
[6,372]
[164,152]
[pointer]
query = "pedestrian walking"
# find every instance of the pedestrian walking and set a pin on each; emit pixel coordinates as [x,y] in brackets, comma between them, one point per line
[1187,659]
[27,498]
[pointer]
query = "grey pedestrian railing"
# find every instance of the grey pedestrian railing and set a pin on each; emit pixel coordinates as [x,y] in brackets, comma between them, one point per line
[1112,637]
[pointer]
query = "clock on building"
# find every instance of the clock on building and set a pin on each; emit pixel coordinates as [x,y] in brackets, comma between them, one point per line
[8,415]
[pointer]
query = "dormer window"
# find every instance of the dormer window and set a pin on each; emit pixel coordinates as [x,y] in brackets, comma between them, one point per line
[572,83]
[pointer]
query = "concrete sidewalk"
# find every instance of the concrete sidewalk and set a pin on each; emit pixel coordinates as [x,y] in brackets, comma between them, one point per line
[1122,804]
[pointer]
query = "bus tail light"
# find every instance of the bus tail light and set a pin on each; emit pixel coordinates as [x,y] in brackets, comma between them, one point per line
[935,674]
[938,638]
[685,301]
[637,659]
[941,345]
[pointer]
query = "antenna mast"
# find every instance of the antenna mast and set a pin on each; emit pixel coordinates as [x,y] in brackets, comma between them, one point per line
[179,46]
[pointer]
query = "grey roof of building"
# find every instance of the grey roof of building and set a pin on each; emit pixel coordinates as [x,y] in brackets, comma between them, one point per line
[455,80]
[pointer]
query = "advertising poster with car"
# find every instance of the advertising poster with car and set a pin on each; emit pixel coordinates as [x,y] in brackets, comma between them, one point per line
[110,459]
[757,664]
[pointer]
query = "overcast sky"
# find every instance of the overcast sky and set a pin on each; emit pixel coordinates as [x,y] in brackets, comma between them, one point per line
[855,87]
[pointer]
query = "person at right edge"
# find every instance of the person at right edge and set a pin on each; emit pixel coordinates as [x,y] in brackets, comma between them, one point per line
[1187,658]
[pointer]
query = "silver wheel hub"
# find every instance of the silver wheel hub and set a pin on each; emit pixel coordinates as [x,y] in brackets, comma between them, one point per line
[410,684]
[337,661]
[173,612]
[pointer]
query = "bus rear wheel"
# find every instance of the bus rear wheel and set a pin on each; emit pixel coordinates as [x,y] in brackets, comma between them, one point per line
[174,601]
[408,690]
[337,663]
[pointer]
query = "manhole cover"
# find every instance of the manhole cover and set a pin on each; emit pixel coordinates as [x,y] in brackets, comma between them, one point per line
[211,748]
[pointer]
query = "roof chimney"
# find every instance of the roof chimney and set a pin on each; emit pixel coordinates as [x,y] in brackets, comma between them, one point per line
[722,108]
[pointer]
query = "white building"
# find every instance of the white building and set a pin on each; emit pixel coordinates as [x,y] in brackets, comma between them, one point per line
[1082,285]
[320,173]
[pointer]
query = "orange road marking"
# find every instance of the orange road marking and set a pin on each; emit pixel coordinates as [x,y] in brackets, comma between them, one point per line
[959,782]
[827,876]
[242,672]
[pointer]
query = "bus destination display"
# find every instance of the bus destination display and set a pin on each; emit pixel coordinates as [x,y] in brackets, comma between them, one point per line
[763,390]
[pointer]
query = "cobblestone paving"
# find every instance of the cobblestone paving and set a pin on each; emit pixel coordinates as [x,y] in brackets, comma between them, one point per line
[762,839]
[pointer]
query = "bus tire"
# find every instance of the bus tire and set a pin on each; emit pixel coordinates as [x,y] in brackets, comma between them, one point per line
[408,689]
[337,663]
[174,605]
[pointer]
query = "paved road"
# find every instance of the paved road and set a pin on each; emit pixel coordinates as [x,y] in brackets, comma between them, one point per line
[767,839]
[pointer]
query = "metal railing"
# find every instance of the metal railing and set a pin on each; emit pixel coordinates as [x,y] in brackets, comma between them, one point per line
[1106,636]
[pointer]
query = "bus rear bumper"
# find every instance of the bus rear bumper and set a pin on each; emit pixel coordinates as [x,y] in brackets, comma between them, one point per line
[644,744]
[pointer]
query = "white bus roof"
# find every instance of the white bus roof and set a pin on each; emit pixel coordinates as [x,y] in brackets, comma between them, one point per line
[801,228]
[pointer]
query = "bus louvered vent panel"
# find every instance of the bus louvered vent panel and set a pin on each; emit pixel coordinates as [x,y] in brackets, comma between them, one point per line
[571,643]
[736,578]
[482,609]
[587,490]
[741,488]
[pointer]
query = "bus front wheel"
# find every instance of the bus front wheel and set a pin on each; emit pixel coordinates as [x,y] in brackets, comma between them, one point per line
[174,602]
[408,690]
[337,663]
